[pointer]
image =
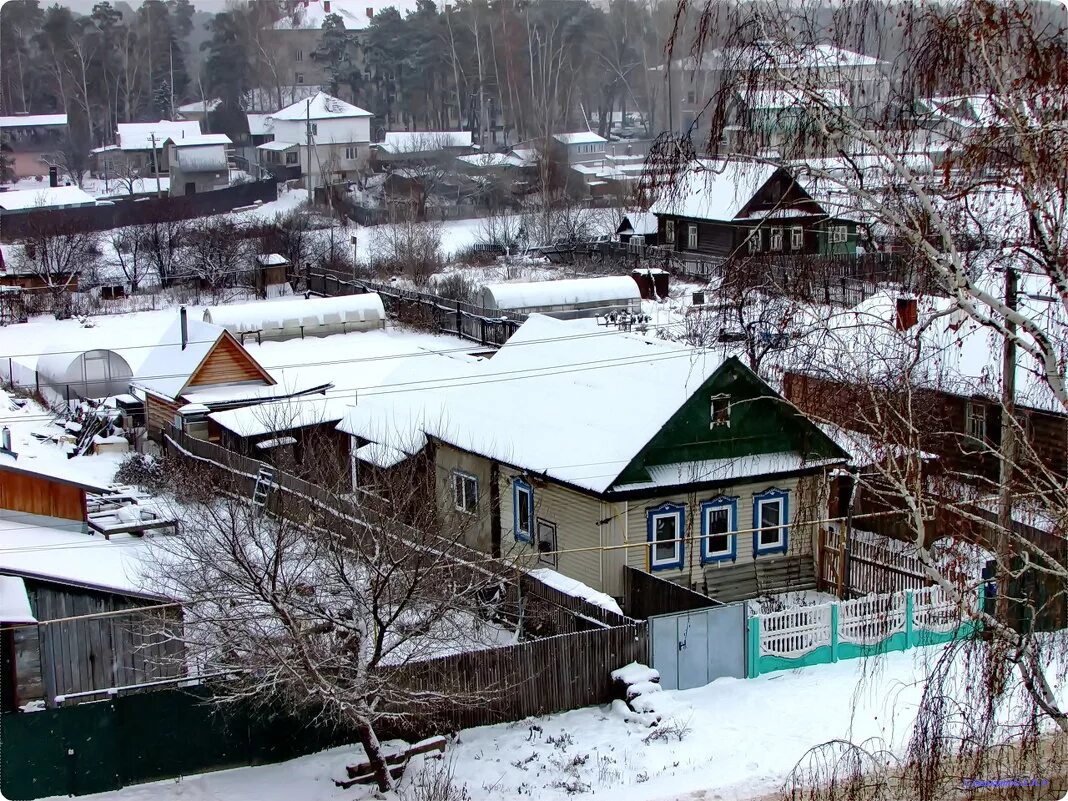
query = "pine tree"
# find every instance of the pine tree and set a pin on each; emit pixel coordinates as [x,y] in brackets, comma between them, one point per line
[334,51]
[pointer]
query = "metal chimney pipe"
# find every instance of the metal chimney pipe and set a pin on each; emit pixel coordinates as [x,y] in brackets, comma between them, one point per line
[5,440]
[185,327]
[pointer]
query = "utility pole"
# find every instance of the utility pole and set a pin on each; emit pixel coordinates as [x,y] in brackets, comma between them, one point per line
[1008,449]
[155,164]
[170,55]
[308,148]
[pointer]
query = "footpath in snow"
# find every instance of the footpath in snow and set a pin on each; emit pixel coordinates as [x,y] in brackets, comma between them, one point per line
[740,739]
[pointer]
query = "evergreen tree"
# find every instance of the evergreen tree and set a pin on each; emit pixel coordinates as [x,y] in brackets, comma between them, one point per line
[335,52]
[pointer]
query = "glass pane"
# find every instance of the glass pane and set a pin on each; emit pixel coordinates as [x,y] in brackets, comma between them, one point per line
[770,515]
[720,543]
[524,510]
[718,521]
[664,531]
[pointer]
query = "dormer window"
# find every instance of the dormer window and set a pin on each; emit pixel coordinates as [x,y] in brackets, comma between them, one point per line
[720,411]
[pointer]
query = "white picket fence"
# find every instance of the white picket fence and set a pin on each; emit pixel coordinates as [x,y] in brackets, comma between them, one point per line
[868,621]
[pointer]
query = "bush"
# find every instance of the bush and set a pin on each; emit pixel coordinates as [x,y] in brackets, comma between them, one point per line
[141,471]
[456,286]
[434,781]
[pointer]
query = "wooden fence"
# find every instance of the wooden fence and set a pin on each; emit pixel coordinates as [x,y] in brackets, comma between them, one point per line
[647,595]
[866,563]
[475,323]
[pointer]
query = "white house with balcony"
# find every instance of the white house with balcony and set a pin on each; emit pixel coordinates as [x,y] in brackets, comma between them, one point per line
[327,138]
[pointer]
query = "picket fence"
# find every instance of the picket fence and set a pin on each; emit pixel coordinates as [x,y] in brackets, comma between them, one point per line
[815,635]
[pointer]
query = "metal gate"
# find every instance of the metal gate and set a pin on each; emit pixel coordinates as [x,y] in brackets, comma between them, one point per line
[691,649]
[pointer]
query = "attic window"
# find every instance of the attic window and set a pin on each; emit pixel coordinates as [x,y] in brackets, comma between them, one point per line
[370,12]
[720,411]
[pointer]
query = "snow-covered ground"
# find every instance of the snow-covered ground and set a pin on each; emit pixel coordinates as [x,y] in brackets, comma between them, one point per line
[740,739]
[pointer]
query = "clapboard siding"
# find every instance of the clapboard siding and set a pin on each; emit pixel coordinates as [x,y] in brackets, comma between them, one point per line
[159,414]
[227,363]
[575,516]
[39,495]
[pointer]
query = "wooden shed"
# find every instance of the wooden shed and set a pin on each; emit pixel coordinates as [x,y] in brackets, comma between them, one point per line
[26,489]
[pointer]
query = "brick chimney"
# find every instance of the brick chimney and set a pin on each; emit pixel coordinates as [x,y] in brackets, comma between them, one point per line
[907,314]
[326,6]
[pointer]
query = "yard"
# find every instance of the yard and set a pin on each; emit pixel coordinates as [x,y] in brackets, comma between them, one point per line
[736,739]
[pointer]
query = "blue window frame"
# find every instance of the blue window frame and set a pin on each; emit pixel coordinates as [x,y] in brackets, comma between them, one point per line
[666,530]
[523,510]
[719,524]
[771,514]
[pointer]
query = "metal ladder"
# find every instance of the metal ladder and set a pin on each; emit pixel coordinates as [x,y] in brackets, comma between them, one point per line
[264,482]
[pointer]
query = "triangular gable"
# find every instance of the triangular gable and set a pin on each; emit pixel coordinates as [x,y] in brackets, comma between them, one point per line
[761,422]
[782,191]
[227,363]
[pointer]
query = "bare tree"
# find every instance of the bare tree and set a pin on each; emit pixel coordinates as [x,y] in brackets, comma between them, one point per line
[58,255]
[131,254]
[407,247]
[164,243]
[329,617]
[216,255]
[978,89]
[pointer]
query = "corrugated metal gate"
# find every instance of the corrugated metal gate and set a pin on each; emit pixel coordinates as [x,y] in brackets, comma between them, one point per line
[690,649]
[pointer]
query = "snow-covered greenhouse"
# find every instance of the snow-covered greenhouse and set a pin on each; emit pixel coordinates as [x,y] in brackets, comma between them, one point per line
[295,318]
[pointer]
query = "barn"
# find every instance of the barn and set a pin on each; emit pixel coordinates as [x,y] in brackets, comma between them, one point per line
[568,299]
[296,318]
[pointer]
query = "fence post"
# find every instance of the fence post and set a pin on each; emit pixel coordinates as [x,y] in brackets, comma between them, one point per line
[752,629]
[834,631]
[910,635]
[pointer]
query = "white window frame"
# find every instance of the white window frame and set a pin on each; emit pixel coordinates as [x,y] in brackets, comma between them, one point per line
[975,420]
[691,237]
[723,401]
[522,489]
[676,514]
[351,152]
[778,498]
[461,501]
[669,231]
[797,237]
[753,240]
[838,234]
[775,239]
[730,506]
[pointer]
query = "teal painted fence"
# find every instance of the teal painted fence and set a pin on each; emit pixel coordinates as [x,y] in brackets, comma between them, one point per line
[874,624]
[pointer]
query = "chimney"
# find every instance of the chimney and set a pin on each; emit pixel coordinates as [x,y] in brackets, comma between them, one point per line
[5,441]
[326,6]
[53,176]
[907,314]
[185,327]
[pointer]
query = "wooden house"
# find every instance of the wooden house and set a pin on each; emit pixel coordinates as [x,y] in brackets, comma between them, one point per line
[612,450]
[198,363]
[739,208]
[52,569]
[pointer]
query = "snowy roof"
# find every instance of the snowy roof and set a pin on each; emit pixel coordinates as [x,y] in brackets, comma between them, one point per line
[956,354]
[641,223]
[51,549]
[320,106]
[383,456]
[272,259]
[138,135]
[45,197]
[32,120]
[487,160]
[199,106]
[297,311]
[14,603]
[568,399]
[276,146]
[423,141]
[787,98]
[54,471]
[570,291]
[579,138]
[726,469]
[168,365]
[201,140]
[713,190]
[202,158]
[282,415]
[353,13]
[258,124]
[772,56]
